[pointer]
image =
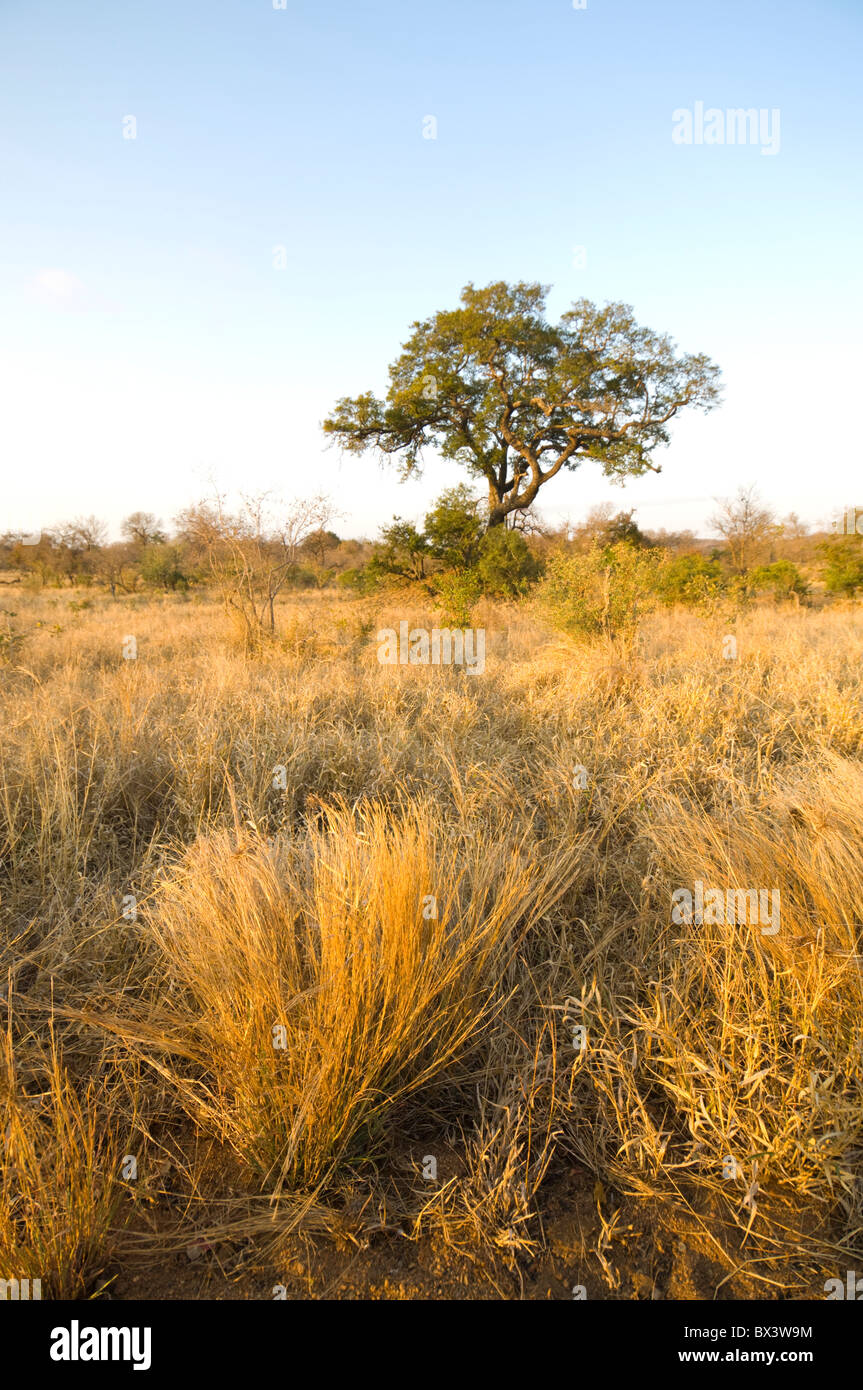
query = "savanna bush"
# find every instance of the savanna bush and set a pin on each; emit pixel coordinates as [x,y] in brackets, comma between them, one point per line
[843,570]
[506,567]
[782,580]
[458,591]
[602,592]
[689,579]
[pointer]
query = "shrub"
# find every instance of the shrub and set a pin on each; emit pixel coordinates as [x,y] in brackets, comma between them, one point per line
[506,566]
[843,573]
[402,552]
[602,592]
[362,580]
[161,567]
[690,579]
[458,591]
[623,528]
[303,578]
[782,579]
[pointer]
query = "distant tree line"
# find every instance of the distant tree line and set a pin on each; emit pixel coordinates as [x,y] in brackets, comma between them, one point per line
[251,554]
[299,548]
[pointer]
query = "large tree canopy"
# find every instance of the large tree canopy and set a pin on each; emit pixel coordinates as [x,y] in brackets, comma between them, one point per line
[516,399]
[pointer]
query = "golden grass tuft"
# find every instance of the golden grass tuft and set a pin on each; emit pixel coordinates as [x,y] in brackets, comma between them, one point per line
[320,984]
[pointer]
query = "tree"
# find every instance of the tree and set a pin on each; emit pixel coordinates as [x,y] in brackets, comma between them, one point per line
[782,579]
[116,564]
[251,554]
[601,592]
[402,551]
[143,528]
[624,528]
[318,542]
[79,543]
[451,538]
[689,578]
[162,566]
[745,525]
[517,399]
[83,534]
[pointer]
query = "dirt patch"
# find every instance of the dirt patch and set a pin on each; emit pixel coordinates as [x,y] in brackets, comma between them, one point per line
[590,1243]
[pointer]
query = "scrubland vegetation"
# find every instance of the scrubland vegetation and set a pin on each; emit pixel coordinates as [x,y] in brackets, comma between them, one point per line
[282,924]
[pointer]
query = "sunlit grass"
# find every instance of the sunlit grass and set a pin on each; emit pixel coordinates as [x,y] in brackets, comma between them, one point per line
[151,782]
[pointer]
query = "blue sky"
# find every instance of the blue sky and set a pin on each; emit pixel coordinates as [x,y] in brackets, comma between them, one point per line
[148,343]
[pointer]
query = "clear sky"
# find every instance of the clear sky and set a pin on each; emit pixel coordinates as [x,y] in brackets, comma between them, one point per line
[148,341]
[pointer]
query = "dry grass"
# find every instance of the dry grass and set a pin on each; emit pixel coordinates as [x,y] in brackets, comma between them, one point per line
[408,1035]
[319,985]
[59,1177]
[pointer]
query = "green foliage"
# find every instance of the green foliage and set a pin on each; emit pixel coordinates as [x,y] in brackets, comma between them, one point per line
[506,566]
[317,543]
[161,567]
[689,579]
[454,528]
[358,580]
[843,571]
[782,579]
[623,528]
[601,592]
[452,536]
[305,577]
[402,551]
[458,591]
[516,399]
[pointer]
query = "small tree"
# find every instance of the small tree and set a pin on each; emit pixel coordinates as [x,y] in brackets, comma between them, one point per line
[745,525]
[457,592]
[78,544]
[82,534]
[401,552]
[624,528]
[251,555]
[143,528]
[162,567]
[318,542]
[116,566]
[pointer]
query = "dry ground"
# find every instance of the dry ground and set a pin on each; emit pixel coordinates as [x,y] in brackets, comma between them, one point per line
[284,1001]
